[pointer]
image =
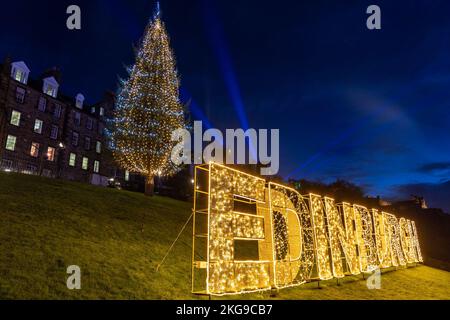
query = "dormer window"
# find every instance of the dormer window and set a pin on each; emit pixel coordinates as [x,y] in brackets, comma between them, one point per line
[50,87]
[20,72]
[79,99]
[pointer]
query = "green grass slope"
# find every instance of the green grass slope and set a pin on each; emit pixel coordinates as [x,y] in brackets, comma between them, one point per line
[118,238]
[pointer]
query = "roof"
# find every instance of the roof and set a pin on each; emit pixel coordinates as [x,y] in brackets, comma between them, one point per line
[21,65]
[37,84]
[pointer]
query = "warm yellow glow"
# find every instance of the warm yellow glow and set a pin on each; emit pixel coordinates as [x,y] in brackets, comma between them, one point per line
[393,229]
[296,238]
[342,238]
[148,109]
[365,239]
[322,243]
[382,239]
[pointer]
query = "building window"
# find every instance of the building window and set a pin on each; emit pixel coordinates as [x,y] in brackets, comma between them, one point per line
[75,138]
[96,166]
[84,164]
[20,71]
[50,87]
[42,104]
[92,109]
[20,95]
[102,111]
[98,147]
[15,118]
[18,76]
[77,118]
[54,132]
[100,129]
[57,111]
[11,143]
[38,124]
[89,123]
[127,175]
[79,99]
[87,143]
[34,151]
[50,91]
[72,159]
[50,154]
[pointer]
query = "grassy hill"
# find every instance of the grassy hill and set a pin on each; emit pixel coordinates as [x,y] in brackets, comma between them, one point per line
[118,238]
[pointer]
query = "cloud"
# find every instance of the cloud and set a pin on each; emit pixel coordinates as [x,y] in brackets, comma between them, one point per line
[434,167]
[437,195]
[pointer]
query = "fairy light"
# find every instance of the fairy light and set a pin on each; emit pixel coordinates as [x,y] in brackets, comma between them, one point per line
[365,239]
[148,109]
[415,238]
[407,241]
[226,225]
[397,253]
[293,236]
[382,239]
[300,238]
[342,238]
[321,237]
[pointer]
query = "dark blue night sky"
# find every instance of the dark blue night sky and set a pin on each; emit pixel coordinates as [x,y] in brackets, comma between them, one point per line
[371,107]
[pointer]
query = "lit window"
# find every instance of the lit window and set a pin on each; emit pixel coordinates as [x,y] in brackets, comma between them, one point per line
[127,175]
[57,111]
[18,75]
[42,104]
[15,118]
[87,143]
[20,71]
[38,126]
[50,87]
[84,164]
[50,91]
[50,154]
[75,138]
[92,109]
[96,166]
[102,111]
[54,132]
[11,143]
[20,95]
[98,147]
[72,159]
[34,151]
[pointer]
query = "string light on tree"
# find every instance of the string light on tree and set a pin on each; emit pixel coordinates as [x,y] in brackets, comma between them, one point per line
[148,109]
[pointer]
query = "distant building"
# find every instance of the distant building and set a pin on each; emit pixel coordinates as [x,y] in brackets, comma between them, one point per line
[45,132]
[414,202]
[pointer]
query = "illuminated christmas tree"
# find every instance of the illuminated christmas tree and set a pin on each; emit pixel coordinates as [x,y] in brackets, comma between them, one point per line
[148,109]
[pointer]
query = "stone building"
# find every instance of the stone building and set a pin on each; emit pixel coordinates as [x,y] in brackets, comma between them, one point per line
[44,132]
